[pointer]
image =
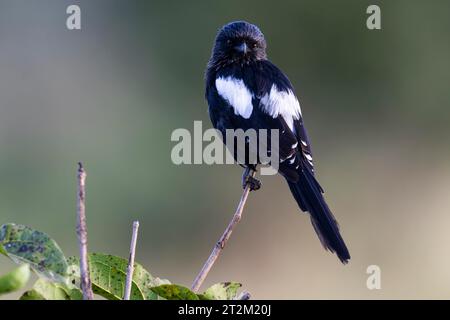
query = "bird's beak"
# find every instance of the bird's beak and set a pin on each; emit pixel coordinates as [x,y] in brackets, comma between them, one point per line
[242,48]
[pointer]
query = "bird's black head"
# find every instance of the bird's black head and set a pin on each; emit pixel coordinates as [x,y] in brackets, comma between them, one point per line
[238,42]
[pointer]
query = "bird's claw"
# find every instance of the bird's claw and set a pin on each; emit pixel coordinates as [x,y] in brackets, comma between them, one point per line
[249,180]
[253,183]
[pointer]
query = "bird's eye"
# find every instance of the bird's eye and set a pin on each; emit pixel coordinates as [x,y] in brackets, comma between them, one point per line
[229,42]
[255,45]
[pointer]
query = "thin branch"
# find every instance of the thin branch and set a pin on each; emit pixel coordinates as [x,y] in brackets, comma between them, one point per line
[223,239]
[130,268]
[86,285]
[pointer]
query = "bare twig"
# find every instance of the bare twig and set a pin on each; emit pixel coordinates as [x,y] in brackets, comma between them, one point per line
[130,268]
[222,241]
[86,285]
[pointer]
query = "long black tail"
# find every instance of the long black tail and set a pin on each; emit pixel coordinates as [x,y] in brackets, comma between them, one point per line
[308,194]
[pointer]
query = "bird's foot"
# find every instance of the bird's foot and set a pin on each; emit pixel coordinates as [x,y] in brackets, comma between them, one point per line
[254,183]
[248,179]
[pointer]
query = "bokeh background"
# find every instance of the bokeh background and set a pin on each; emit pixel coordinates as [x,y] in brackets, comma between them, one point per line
[376,103]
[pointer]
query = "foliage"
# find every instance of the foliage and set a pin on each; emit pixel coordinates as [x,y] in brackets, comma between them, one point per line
[15,280]
[108,275]
[59,278]
[25,245]
[219,291]
[222,291]
[47,290]
[174,292]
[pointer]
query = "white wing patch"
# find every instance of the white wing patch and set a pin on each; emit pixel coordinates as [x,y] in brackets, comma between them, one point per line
[309,158]
[282,103]
[236,94]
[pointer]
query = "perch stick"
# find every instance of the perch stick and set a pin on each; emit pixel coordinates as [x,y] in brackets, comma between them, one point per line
[223,239]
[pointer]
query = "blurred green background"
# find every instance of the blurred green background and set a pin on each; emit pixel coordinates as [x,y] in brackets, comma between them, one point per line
[376,103]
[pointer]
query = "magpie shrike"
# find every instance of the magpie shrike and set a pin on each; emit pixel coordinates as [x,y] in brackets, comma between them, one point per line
[245,91]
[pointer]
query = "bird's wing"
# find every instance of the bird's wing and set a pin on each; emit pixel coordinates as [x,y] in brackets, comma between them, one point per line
[277,100]
[304,144]
[220,112]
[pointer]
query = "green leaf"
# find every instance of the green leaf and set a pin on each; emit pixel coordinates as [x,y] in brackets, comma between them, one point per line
[108,276]
[157,282]
[25,245]
[174,292]
[46,290]
[32,295]
[3,251]
[222,291]
[15,280]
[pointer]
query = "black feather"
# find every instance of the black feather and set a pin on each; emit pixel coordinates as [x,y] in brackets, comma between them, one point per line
[259,75]
[308,194]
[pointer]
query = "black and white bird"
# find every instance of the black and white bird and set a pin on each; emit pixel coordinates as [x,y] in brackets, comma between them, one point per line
[245,90]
